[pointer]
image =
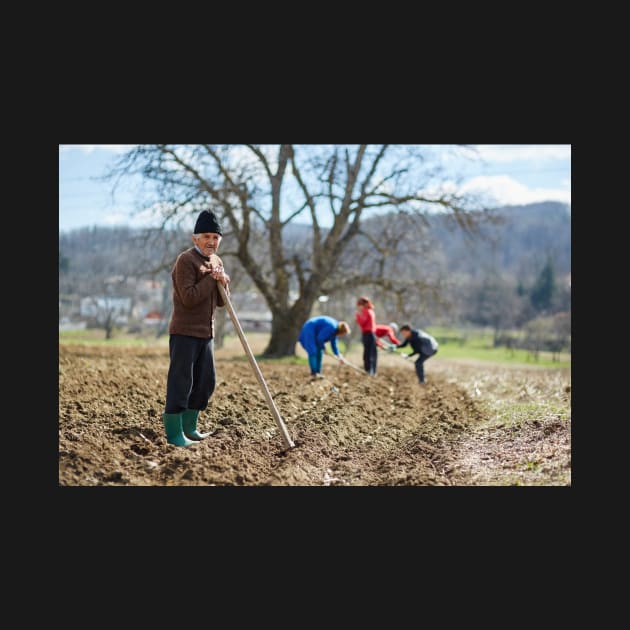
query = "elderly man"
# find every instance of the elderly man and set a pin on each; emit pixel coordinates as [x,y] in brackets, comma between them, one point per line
[191,374]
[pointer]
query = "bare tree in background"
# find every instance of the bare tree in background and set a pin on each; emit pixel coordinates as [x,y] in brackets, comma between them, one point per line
[394,260]
[261,191]
[106,305]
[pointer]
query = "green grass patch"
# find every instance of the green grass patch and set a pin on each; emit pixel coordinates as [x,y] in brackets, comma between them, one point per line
[94,336]
[448,334]
[477,350]
[479,344]
[513,413]
[454,344]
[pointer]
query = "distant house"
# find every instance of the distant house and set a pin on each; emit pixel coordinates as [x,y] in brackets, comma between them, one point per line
[149,290]
[255,321]
[252,311]
[65,323]
[148,299]
[153,318]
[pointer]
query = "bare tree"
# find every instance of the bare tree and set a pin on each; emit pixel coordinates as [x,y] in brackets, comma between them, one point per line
[394,260]
[260,192]
[109,306]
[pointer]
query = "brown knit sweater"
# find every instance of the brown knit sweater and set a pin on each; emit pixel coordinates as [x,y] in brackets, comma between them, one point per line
[195,296]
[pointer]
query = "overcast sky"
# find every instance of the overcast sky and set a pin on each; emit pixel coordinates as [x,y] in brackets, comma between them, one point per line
[511,174]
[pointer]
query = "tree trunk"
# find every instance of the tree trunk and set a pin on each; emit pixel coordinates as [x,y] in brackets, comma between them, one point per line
[109,326]
[495,336]
[219,327]
[285,330]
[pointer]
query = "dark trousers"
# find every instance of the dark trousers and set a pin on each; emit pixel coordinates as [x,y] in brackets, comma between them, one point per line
[420,365]
[369,352]
[191,375]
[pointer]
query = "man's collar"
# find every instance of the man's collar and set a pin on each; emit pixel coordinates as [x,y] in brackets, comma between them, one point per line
[201,253]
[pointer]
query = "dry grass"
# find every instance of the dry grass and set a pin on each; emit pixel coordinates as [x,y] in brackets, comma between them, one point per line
[526,437]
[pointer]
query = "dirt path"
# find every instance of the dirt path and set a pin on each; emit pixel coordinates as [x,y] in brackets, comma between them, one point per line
[349,429]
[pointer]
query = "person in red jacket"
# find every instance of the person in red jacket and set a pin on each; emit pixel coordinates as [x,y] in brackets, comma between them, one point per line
[367,322]
[389,332]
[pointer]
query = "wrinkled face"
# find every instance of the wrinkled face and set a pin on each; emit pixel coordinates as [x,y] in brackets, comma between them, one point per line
[208,242]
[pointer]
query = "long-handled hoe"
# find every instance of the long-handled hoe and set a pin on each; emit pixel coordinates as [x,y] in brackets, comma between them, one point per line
[346,362]
[215,261]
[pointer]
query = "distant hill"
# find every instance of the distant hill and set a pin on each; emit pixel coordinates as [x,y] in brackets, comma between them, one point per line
[520,244]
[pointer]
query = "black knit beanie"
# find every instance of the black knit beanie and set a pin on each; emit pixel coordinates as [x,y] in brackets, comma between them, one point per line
[207,222]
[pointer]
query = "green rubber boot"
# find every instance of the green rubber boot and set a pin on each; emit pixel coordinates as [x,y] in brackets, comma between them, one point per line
[173,427]
[189,424]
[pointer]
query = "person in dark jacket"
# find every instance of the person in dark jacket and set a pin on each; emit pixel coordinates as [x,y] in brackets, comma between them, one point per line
[314,335]
[422,344]
[191,374]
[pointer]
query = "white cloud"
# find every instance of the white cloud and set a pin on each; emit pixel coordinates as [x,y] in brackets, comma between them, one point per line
[115,218]
[143,218]
[435,190]
[90,148]
[516,152]
[506,190]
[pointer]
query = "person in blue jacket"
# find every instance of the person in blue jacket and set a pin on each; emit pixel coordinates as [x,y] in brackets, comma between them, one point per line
[315,333]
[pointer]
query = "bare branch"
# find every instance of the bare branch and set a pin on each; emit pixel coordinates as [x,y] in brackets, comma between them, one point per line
[317,240]
[353,172]
[371,172]
[331,181]
[387,284]
[295,214]
[260,155]
[202,181]
[392,175]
